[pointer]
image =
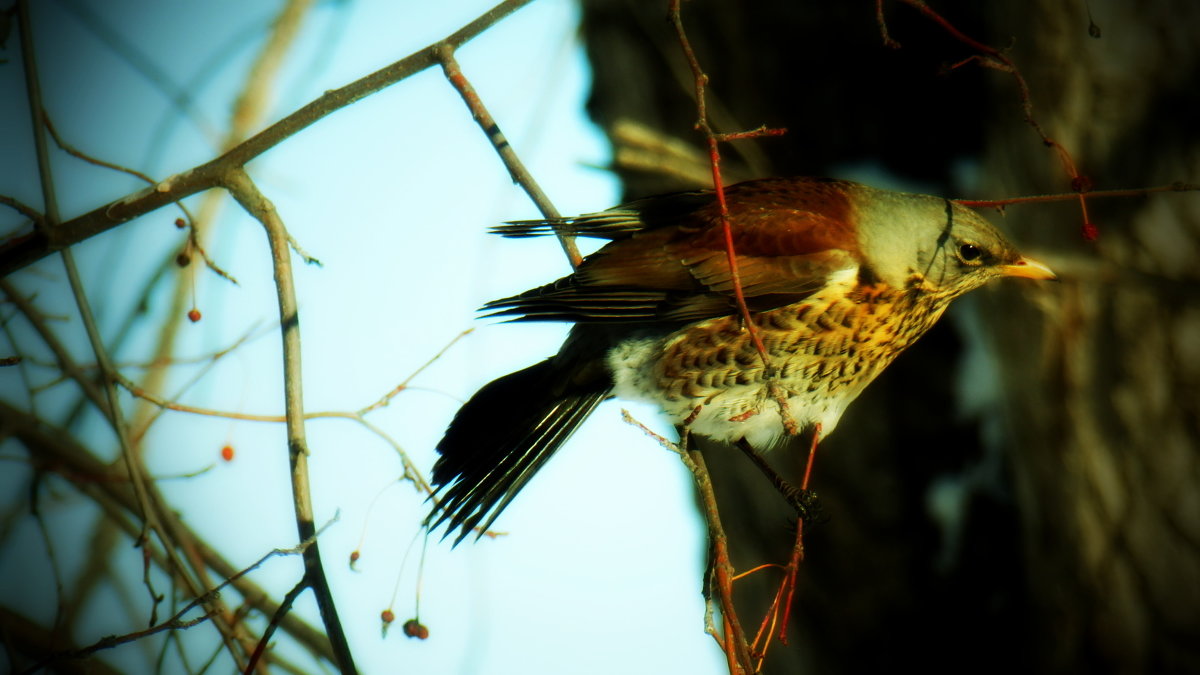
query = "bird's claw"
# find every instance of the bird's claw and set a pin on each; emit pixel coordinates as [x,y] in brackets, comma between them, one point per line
[807,505]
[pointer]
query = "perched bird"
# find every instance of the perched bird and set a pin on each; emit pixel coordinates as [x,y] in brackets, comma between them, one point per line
[839,279]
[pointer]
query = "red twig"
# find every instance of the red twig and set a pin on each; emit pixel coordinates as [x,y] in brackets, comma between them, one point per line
[992,57]
[798,547]
[732,639]
[780,610]
[713,140]
[734,645]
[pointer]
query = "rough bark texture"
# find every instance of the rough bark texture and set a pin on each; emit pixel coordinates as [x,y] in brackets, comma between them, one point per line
[1055,526]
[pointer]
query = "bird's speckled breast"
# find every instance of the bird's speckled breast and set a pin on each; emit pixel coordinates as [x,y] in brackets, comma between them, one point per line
[822,353]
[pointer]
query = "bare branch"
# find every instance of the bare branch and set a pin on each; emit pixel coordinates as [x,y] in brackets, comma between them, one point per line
[258,206]
[516,168]
[27,249]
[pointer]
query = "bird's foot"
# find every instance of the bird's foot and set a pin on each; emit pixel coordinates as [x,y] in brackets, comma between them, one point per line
[806,503]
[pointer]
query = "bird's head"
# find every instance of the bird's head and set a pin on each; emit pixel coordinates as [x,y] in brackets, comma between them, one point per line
[941,245]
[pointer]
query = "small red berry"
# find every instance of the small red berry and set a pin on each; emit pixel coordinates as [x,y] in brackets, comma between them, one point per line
[180,223]
[1090,232]
[387,616]
[227,453]
[414,629]
[354,556]
[194,315]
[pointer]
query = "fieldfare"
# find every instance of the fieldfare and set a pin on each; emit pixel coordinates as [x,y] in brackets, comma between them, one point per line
[839,279]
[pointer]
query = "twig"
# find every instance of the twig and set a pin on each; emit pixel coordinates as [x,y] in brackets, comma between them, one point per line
[735,638]
[284,607]
[991,57]
[516,168]
[22,251]
[734,641]
[247,195]
[65,363]
[191,221]
[1178,186]
[798,548]
[24,209]
[248,111]
[714,139]
[386,398]
[176,622]
[150,517]
[55,450]
[210,362]
[411,472]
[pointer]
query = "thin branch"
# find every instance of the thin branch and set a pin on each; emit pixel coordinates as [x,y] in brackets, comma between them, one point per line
[734,643]
[176,622]
[65,363]
[23,636]
[284,608]
[714,139]
[1177,186]
[53,449]
[516,168]
[24,209]
[990,57]
[411,471]
[79,154]
[386,398]
[25,250]
[243,189]
[150,516]
[248,112]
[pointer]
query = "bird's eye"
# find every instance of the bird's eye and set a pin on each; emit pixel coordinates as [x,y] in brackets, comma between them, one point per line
[970,252]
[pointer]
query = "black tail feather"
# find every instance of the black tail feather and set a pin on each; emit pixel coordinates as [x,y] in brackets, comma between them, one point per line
[501,437]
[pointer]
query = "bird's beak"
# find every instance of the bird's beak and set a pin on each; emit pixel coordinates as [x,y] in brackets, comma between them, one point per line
[1028,268]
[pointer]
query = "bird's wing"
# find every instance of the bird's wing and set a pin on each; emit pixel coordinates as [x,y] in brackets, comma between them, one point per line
[618,222]
[663,275]
[672,264]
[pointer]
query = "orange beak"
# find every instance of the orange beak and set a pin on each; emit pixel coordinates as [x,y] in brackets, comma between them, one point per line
[1028,268]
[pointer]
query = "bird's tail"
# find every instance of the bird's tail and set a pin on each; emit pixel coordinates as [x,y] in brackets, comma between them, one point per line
[502,436]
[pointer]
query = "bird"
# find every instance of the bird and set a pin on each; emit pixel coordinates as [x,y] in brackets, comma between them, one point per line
[838,279]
